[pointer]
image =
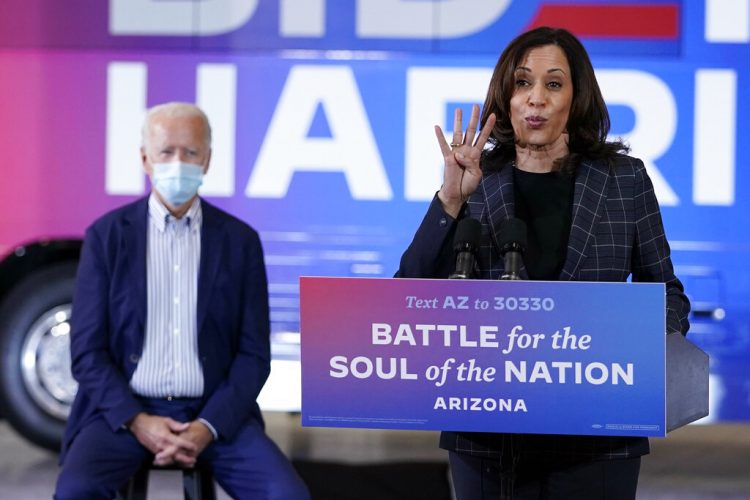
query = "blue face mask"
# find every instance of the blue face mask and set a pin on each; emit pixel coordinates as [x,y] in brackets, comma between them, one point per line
[177,182]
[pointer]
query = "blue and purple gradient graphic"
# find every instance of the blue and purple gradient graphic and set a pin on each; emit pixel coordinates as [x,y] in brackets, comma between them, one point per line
[672,73]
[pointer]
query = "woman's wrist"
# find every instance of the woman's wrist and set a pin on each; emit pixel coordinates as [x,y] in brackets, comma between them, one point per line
[451,205]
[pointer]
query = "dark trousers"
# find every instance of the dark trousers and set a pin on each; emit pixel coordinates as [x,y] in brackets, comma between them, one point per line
[251,466]
[537,478]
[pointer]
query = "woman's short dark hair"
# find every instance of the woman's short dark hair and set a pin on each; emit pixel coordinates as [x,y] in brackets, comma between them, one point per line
[588,121]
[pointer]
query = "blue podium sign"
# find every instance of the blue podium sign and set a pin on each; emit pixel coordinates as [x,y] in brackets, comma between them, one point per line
[486,356]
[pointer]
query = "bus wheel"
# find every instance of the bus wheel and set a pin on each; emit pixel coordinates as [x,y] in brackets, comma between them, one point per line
[36,385]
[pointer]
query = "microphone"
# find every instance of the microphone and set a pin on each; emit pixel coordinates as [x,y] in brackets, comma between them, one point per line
[465,243]
[512,246]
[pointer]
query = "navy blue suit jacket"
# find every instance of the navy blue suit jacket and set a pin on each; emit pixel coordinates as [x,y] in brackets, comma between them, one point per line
[616,232]
[109,318]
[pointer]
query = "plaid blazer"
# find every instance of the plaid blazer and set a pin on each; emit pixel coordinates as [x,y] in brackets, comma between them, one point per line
[616,233]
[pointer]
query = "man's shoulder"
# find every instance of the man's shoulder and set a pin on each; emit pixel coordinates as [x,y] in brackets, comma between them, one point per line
[130,211]
[235,225]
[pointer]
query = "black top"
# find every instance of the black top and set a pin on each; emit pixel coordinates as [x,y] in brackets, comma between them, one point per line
[544,202]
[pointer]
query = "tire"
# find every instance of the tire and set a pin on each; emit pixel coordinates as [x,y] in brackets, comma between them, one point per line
[36,386]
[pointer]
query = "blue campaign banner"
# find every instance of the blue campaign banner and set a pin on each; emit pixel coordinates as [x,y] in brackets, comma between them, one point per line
[485,356]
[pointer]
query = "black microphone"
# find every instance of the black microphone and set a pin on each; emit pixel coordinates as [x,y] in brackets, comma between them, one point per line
[512,246]
[465,243]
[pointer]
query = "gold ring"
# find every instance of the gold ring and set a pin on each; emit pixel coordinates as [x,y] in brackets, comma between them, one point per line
[454,145]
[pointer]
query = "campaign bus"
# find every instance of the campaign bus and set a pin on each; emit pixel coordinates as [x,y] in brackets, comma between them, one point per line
[323,115]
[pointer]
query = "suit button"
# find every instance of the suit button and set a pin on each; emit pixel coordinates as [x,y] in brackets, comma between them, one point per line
[134,358]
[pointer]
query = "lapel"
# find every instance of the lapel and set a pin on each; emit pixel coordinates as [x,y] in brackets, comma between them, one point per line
[498,195]
[499,203]
[212,253]
[134,232]
[589,200]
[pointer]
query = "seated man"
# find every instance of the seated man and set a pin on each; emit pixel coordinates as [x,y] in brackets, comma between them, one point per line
[170,338]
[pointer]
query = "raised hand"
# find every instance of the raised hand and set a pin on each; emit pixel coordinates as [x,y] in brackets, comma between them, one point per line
[462,172]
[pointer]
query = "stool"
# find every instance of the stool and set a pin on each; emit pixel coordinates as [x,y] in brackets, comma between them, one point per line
[197,483]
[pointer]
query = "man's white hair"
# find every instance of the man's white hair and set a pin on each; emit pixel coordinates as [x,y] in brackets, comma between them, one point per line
[174,109]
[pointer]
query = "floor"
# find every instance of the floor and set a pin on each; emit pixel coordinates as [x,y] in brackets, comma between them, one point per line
[695,462]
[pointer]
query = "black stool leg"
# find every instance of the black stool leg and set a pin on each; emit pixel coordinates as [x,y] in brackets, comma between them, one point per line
[198,484]
[137,486]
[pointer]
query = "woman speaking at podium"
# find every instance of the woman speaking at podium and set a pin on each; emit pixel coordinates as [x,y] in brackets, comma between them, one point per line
[542,156]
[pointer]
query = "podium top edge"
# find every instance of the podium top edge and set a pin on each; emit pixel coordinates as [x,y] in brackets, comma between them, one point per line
[378,278]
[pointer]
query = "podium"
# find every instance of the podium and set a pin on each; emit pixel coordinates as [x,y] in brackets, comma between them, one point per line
[496,356]
[687,382]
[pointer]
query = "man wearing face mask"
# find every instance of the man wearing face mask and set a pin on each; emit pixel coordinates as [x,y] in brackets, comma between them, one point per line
[170,334]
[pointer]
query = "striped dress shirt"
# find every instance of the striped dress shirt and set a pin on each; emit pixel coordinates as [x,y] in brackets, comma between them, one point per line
[170,365]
